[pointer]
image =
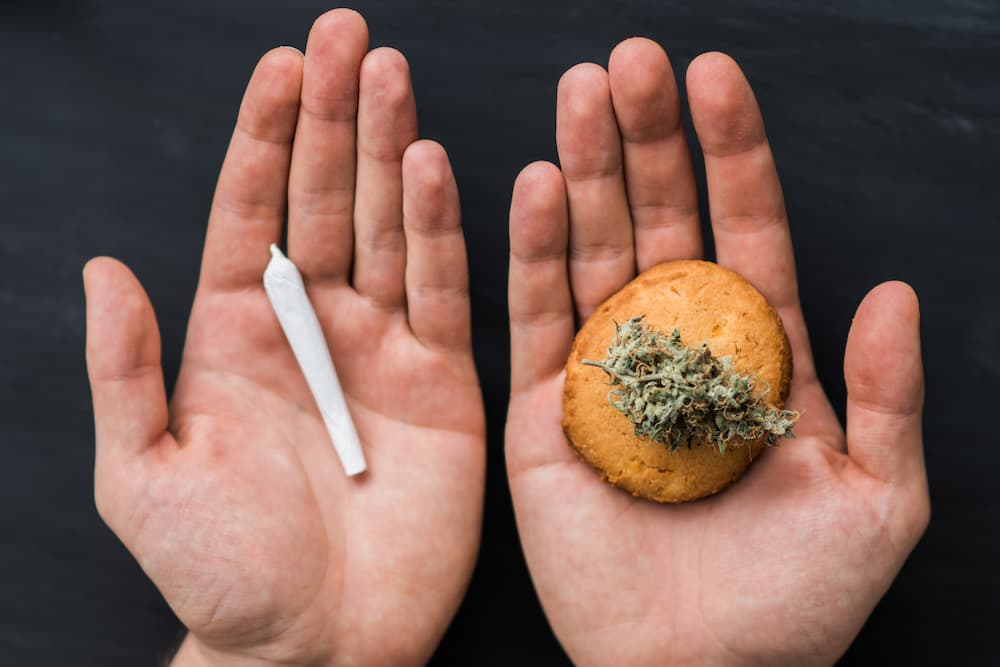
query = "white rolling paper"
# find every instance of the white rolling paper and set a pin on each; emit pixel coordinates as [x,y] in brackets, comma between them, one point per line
[284,287]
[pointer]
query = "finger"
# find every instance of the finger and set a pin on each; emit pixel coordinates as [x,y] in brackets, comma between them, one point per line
[885,385]
[437,276]
[248,210]
[602,258]
[321,185]
[662,195]
[541,306]
[387,124]
[123,361]
[745,200]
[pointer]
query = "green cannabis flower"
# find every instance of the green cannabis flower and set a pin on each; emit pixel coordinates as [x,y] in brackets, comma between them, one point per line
[683,396]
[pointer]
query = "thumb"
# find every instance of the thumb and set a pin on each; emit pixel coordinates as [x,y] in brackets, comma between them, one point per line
[123,362]
[885,386]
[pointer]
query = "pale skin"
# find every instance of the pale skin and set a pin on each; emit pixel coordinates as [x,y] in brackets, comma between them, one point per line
[231,497]
[785,566]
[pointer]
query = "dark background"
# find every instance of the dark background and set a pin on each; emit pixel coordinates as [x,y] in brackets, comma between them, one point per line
[114,118]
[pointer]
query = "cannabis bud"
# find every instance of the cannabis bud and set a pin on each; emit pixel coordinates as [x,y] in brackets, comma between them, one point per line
[679,395]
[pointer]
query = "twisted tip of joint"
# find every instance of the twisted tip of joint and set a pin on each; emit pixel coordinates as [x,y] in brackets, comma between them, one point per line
[276,251]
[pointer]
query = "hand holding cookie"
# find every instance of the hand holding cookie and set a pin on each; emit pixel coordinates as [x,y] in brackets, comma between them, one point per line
[782,565]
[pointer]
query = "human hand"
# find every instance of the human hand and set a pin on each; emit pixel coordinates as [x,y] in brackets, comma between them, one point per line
[785,566]
[232,499]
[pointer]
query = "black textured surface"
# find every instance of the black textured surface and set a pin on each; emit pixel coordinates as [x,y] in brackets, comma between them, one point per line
[114,117]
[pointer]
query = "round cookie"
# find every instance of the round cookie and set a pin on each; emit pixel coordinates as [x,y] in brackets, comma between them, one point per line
[709,304]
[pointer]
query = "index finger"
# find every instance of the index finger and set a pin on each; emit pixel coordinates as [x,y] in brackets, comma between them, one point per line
[248,210]
[746,204]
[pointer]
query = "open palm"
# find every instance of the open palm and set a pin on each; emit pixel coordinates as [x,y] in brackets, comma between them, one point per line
[233,500]
[785,566]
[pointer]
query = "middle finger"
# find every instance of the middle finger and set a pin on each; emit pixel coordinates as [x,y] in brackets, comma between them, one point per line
[321,182]
[662,194]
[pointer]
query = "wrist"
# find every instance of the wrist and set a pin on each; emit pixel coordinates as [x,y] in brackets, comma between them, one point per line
[194,653]
[189,655]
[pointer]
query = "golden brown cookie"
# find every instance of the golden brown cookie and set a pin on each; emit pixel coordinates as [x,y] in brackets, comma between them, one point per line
[709,304]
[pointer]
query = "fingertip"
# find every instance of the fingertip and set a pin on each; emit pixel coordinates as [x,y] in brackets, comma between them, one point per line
[102,273]
[895,296]
[337,44]
[271,102]
[712,68]
[538,210]
[636,53]
[883,370]
[108,280]
[429,188]
[385,61]
[583,100]
[282,60]
[723,106]
[123,366]
[436,280]
[118,314]
[93,266]
[589,142]
[636,49]
[539,298]
[426,162]
[582,73]
[340,24]
[641,62]
[643,90]
[882,364]
[385,81]
[278,74]
[539,180]
[716,85]
[582,80]
[887,311]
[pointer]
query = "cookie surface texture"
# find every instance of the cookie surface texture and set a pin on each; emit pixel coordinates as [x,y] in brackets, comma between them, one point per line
[708,304]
